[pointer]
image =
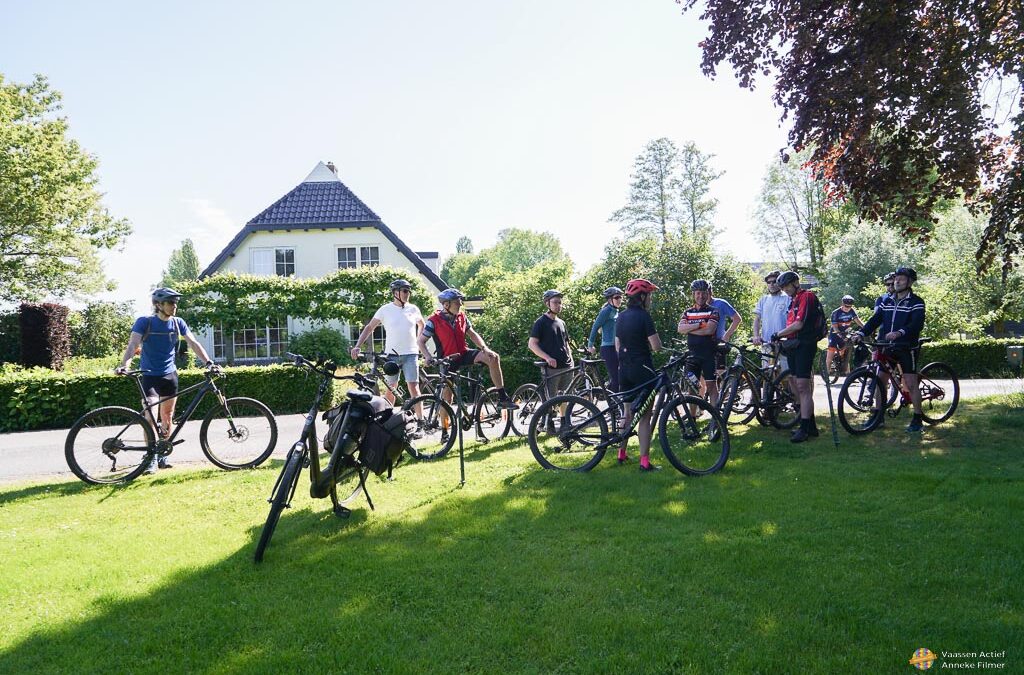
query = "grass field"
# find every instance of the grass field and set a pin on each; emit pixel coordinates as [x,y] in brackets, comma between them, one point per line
[796,558]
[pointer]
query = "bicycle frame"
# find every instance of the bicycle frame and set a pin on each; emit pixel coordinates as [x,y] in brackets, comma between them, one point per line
[203,388]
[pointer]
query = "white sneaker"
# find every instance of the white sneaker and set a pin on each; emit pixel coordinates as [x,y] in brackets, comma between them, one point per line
[152,468]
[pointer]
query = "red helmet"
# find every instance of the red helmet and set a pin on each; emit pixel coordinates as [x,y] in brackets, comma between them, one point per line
[639,286]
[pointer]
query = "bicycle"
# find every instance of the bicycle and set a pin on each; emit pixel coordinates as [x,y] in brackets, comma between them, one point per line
[585,382]
[752,389]
[346,469]
[115,444]
[377,374]
[861,408]
[570,433]
[436,431]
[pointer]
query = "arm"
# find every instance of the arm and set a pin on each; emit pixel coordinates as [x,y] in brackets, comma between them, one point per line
[534,345]
[421,342]
[129,353]
[366,332]
[594,328]
[478,341]
[655,342]
[757,328]
[198,349]
[734,322]
[871,325]
[709,328]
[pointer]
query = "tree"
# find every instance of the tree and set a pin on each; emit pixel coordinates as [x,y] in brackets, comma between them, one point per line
[101,329]
[515,251]
[696,176]
[183,265]
[464,245]
[52,222]
[858,261]
[796,219]
[654,192]
[902,102]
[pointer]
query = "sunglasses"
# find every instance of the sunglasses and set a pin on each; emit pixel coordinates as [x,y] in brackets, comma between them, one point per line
[616,297]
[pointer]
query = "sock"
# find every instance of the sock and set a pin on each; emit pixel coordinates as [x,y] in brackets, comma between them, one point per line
[645,461]
[502,393]
[622,453]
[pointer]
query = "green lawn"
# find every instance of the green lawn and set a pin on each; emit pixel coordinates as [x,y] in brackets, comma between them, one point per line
[796,558]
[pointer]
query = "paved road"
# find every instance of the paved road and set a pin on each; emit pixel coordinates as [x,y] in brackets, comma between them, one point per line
[40,454]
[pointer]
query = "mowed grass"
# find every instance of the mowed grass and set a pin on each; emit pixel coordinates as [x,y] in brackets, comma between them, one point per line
[796,558]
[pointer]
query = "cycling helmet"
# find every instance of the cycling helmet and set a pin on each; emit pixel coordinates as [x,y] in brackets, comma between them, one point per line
[164,294]
[639,286]
[773,273]
[907,272]
[847,299]
[450,294]
[399,284]
[611,291]
[786,278]
[888,277]
[552,293]
[700,285]
[391,368]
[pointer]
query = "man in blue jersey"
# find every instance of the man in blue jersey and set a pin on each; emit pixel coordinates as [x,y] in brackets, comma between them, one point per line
[158,335]
[842,318]
[900,317]
[723,332]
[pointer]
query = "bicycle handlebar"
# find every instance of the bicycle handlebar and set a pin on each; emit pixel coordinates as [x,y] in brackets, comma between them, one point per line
[326,369]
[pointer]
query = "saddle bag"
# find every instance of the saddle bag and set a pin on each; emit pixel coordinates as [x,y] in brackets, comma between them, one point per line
[384,440]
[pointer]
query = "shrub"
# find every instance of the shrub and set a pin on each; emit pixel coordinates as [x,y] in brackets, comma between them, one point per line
[45,339]
[985,357]
[10,338]
[44,399]
[322,342]
[102,330]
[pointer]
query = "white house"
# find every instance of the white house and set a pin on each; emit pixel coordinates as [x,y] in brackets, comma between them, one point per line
[318,227]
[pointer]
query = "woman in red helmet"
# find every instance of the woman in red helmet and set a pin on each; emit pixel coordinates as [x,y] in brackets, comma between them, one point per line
[635,338]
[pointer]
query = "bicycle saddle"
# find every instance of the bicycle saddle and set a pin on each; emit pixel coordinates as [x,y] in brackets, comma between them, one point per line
[358,395]
[591,361]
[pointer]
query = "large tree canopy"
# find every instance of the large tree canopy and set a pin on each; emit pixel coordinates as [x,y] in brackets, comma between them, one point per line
[51,219]
[906,103]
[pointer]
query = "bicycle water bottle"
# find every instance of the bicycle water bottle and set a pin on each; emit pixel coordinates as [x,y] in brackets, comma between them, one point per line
[693,379]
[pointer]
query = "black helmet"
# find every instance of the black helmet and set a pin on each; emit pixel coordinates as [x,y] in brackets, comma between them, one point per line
[786,278]
[164,294]
[888,277]
[907,272]
[552,293]
[391,368]
[399,284]
[700,285]
[611,291]
[847,299]
[773,273]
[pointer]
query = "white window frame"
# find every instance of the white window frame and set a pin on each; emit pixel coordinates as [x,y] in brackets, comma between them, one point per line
[376,340]
[262,343]
[339,249]
[263,261]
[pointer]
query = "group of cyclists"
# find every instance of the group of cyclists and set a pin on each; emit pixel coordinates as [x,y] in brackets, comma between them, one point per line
[786,314]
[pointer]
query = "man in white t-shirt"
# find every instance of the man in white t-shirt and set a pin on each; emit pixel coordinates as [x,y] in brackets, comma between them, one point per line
[770,314]
[402,321]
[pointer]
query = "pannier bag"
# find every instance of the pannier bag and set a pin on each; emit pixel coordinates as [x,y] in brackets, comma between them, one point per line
[384,440]
[334,417]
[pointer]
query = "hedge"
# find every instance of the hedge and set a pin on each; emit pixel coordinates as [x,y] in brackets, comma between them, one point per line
[985,357]
[43,399]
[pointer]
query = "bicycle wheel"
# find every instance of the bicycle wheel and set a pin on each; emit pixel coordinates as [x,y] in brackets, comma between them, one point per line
[940,392]
[829,375]
[489,418]
[564,431]
[860,402]
[527,397]
[241,434]
[781,408]
[693,436]
[279,500]
[435,433]
[348,485]
[109,445]
[744,406]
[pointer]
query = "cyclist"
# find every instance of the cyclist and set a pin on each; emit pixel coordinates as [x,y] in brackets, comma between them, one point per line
[801,321]
[449,327]
[605,323]
[887,280]
[770,316]
[700,324]
[402,320]
[901,319]
[156,338]
[723,332]
[635,338]
[549,340]
[841,319]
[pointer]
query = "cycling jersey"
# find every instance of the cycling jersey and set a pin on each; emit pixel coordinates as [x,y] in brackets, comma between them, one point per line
[905,316]
[701,316]
[839,325]
[448,332]
[605,322]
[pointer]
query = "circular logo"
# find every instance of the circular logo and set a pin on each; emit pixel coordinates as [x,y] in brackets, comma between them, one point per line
[922,658]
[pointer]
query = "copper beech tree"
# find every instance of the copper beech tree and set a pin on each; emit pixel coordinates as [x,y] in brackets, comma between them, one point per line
[905,104]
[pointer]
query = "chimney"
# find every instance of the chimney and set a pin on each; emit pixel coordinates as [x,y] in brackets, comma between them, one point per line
[334,169]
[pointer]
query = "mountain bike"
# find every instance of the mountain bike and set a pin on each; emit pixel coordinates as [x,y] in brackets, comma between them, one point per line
[436,431]
[347,464]
[585,382]
[570,433]
[752,389]
[115,444]
[861,405]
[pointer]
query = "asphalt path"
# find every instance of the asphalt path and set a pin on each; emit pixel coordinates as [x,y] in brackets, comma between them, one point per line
[39,455]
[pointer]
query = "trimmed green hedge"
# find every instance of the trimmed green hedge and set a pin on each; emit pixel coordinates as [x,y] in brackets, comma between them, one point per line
[43,399]
[973,358]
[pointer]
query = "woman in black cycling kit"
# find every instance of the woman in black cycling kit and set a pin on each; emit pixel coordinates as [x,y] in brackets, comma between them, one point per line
[635,338]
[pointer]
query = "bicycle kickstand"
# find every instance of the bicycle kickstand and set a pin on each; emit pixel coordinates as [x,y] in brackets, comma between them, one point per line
[366,491]
[339,510]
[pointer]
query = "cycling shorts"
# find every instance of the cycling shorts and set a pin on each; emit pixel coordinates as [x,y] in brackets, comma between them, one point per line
[633,374]
[702,364]
[466,358]
[801,359]
[905,356]
[160,386]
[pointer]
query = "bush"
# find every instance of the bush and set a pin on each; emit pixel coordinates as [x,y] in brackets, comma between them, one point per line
[45,339]
[44,399]
[10,338]
[972,358]
[102,329]
[322,342]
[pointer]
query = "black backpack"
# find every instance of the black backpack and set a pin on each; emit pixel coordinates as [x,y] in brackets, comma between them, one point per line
[819,322]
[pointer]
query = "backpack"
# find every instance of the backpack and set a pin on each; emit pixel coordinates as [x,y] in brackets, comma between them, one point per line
[149,329]
[820,324]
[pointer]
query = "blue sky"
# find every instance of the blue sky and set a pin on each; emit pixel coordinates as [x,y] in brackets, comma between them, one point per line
[446,118]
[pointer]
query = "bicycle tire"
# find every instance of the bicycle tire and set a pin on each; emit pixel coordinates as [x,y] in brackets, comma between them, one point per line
[695,443]
[856,407]
[528,398]
[928,378]
[782,410]
[438,431]
[829,375]
[244,440]
[90,438]
[285,487]
[566,440]
[489,418]
[744,406]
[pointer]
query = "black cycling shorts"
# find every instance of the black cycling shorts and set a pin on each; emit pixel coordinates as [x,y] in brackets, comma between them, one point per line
[160,386]
[702,364]
[633,374]
[801,359]
[464,359]
[905,356]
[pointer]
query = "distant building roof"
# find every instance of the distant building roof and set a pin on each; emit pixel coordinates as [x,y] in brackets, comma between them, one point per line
[321,200]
